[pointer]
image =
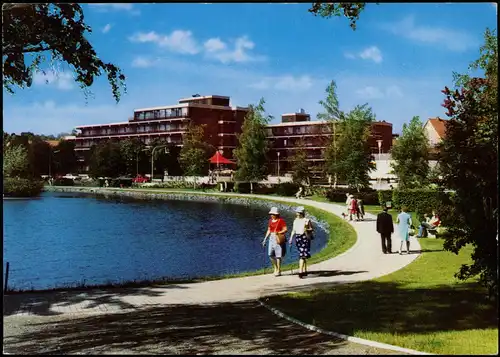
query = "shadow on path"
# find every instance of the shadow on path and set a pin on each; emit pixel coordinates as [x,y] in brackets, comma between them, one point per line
[228,328]
[44,303]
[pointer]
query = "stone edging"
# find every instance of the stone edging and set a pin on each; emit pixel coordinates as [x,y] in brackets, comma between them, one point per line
[342,336]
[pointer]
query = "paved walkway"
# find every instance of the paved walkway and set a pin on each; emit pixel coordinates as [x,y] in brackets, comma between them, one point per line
[364,261]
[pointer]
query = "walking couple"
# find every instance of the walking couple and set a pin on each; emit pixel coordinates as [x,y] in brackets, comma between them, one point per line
[385,227]
[302,232]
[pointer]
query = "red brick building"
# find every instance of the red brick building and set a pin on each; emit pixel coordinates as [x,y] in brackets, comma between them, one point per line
[170,122]
[285,136]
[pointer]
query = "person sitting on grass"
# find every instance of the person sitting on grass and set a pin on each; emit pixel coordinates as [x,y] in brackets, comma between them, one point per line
[424,225]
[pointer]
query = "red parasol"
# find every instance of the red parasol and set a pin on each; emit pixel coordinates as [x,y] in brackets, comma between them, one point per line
[219,159]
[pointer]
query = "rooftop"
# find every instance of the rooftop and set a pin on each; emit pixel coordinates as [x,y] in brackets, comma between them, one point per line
[439,125]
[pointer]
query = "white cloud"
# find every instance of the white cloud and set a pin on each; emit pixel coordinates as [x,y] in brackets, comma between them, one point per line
[371,53]
[182,41]
[106,28]
[62,80]
[179,41]
[286,83]
[214,45]
[216,49]
[454,40]
[116,7]
[142,62]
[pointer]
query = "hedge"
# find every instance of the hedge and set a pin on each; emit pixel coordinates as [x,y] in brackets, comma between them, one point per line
[384,196]
[422,201]
[63,182]
[19,187]
[369,196]
[281,189]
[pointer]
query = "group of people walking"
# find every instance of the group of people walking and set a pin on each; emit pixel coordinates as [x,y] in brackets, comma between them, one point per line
[355,207]
[302,232]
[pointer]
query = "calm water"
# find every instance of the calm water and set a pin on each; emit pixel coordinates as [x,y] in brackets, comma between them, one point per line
[62,239]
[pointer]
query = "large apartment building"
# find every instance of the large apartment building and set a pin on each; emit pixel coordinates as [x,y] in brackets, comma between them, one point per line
[222,121]
[316,135]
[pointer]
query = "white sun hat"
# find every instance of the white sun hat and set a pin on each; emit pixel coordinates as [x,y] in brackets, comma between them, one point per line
[274,210]
[300,209]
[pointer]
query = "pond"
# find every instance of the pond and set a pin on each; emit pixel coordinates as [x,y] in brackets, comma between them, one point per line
[65,239]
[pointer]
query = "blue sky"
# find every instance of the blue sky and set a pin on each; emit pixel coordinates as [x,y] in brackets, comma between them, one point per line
[398,60]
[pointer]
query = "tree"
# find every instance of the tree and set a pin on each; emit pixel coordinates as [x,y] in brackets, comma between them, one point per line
[106,160]
[65,159]
[56,29]
[411,156]
[194,154]
[130,150]
[15,162]
[354,159]
[300,166]
[349,10]
[251,153]
[469,165]
[331,114]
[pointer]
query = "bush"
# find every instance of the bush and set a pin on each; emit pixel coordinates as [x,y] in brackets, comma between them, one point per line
[243,187]
[63,182]
[286,189]
[422,201]
[384,196]
[18,187]
[369,196]
[89,183]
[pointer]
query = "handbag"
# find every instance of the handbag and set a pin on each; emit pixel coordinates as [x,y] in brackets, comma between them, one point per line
[280,238]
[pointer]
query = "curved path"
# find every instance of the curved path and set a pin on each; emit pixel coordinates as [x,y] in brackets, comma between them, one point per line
[363,261]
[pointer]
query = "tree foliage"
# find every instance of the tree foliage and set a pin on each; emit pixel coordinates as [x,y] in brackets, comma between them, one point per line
[349,10]
[131,150]
[195,153]
[348,155]
[251,153]
[57,29]
[15,161]
[300,166]
[469,165]
[106,160]
[411,156]
[354,157]
[331,114]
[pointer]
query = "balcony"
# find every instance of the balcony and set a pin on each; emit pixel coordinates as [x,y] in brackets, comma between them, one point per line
[161,114]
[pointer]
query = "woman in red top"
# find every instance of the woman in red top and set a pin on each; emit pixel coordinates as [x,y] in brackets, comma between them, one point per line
[353,209]
[276,251]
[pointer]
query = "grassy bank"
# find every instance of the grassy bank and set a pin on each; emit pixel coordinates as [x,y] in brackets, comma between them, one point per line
[341,237]
[421,306]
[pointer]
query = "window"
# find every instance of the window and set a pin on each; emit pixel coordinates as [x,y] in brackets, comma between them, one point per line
[284,142]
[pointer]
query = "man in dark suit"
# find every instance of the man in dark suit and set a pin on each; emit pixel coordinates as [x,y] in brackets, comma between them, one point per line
[385,227]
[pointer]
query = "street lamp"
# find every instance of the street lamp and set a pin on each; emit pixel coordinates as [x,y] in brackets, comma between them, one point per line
[218,168]
[278,166]
[379,143]
[137,161]
[152,157]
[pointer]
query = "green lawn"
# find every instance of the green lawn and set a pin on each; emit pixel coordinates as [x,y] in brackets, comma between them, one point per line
[421,306]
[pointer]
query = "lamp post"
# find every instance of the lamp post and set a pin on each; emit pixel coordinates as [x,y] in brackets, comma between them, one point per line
[379,143]
[278,166]
[137,161]
[152,158]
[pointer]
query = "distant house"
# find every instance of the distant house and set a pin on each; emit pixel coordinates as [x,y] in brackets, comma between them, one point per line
[435,129]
